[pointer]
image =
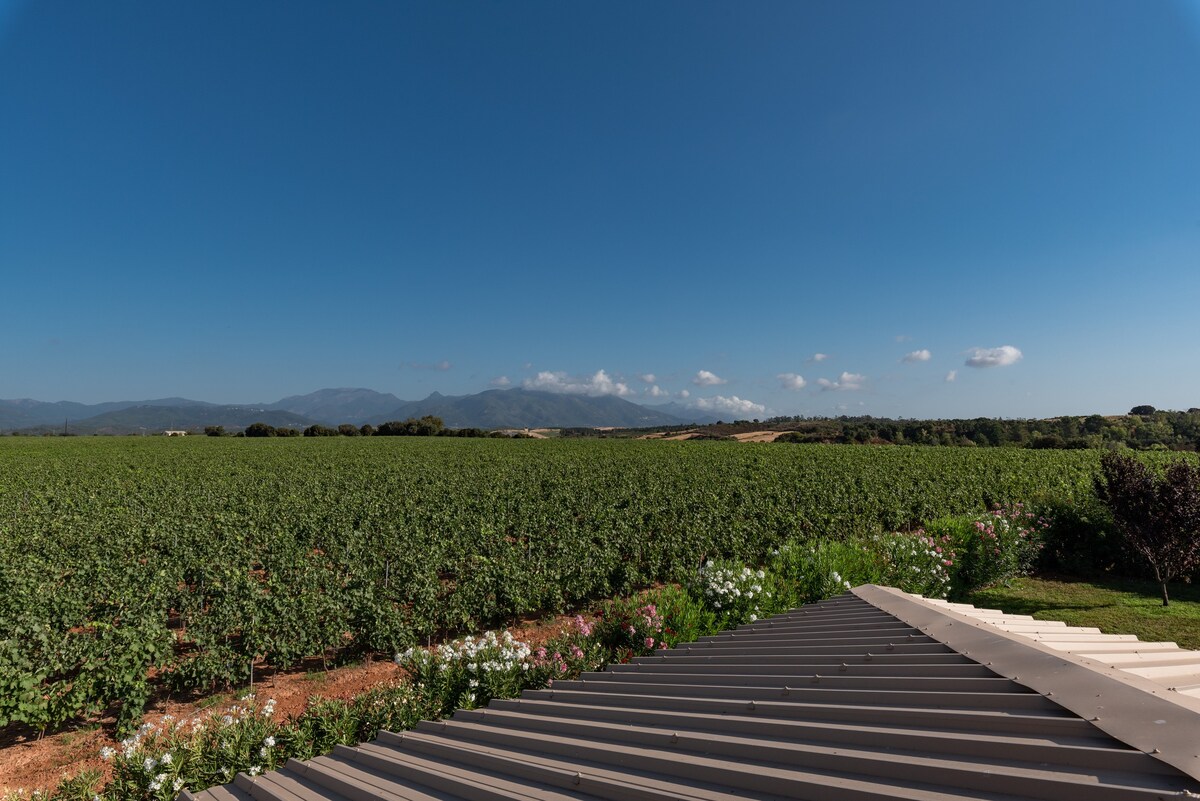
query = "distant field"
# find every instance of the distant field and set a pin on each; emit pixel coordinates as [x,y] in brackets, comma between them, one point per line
[203,555]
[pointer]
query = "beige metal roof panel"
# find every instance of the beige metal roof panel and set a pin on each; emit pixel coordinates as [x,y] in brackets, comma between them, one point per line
[863,697]
[1164,663]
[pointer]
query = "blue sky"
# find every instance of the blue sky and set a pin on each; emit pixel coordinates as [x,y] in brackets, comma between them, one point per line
[240,201]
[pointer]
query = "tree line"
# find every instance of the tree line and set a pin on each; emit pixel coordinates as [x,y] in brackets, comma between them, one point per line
[427,426]
[1144,428]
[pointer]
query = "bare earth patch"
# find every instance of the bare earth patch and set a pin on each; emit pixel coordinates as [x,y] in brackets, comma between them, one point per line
[759,436]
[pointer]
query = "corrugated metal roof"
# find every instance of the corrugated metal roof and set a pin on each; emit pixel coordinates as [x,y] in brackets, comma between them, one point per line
[871,695]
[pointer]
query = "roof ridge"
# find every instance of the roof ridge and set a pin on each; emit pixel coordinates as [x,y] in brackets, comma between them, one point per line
[1136,710]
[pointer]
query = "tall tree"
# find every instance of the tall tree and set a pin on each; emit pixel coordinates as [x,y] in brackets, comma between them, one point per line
[1159,516]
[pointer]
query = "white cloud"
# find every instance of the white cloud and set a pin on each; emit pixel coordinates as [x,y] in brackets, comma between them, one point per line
[951,376]
[598,384]
[500,381]
[683,393]
[706,379]
[791,381]
[917,356]
[818,357]
[733,404]
[846,381]
[649,378]
[903,337]
[1002,356]
[657,392]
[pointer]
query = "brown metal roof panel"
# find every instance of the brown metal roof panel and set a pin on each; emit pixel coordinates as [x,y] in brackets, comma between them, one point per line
[277,786]
[289,780]
[224,792]
[847,648]
[333,778]
[578,775]
[650,727]
[805,637]
[807,667]
[693,777]
[390,767]
[815,693]
[1052,724]
[831,625]
[780,769]
[958,732]
[946,657]
[834,678]
[772,626]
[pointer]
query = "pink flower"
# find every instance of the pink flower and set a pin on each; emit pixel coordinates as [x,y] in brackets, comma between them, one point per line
[649,642]
[632,630]
[583,626]
[576,652]
[540,653]
[562,667]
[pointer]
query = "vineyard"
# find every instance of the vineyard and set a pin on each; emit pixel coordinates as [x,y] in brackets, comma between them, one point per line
[129,565]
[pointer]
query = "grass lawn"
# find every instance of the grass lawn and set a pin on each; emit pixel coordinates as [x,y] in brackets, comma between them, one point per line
[1115,607]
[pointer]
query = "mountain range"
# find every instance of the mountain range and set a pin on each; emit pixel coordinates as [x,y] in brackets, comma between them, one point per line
[495,408]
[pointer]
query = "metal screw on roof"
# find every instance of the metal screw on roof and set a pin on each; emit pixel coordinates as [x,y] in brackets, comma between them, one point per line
[844,667]
[891,647]
[868,656]
[750,706]
[674,737]
[578,778]
[816,678]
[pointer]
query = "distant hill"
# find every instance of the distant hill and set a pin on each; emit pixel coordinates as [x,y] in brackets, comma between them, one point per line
[524,408]
[156,419]
[495,408]
[26,413]
[336,406]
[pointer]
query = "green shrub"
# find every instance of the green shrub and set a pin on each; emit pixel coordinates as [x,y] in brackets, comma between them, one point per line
[805,571]
[990,548]
[914,562]
[734,593]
